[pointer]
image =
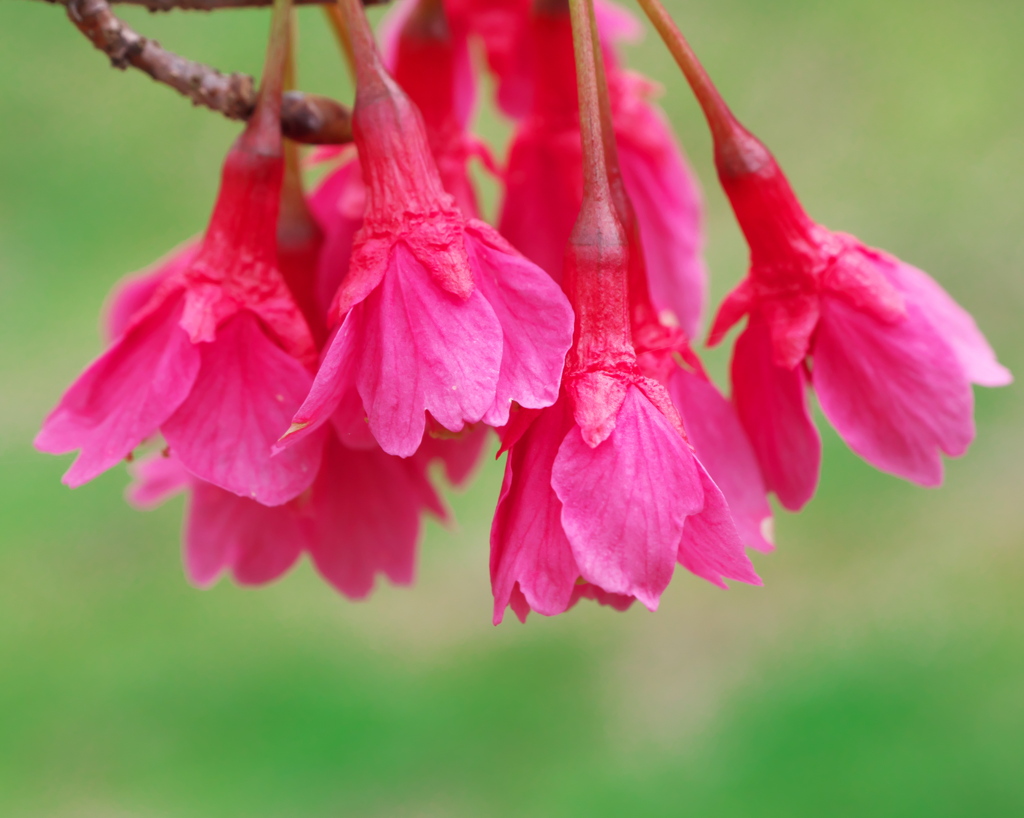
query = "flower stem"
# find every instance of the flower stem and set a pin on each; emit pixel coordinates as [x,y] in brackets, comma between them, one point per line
[369,71]
[719,116]
[337,21]
[595,165]
[267,116]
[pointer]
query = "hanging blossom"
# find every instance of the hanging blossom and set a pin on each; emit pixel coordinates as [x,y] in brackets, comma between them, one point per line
[603,494]
[438,314]
[544,177]
[712,426]
[889,353]
[360,518]
[218,357]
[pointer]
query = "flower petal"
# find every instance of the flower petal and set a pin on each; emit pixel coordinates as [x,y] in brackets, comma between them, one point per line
[227,532]
[772,406]
[135,291]
[124,396]
[536,324]
[711,547]
[625,502]
[156,478]
[246,393]
[951,321]
[331,396]
[365,520]
[724,450]
[532,566]
[895,392]
[424,350]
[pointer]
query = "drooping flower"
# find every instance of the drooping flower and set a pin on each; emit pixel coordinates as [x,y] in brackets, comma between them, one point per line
[438,314]
[218,357]
[603,494]
[361,518]
[891,356]
[544,178]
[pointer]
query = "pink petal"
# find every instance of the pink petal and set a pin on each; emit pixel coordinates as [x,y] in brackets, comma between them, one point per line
[668,207]
[532,566]
[332,395]
[536,323]
[424,350]
[722,447]
[544,188]
[895,392]
[772,406]
[256,543]
[246,393]
[711,547]
[951,321]
[624,503]
[124,396]
[156,478]
[617,24]
[134,292]
[366,520]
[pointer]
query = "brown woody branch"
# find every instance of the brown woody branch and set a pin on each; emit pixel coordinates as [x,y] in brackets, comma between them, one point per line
[307,118]
[213,5]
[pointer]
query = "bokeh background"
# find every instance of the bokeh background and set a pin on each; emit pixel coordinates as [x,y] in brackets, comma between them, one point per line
[879,672]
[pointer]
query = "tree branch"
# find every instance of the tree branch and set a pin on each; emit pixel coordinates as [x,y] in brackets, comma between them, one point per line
[214,5]
[307,118]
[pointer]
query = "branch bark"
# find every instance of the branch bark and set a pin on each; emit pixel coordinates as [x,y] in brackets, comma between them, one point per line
[214,5]
[307,118]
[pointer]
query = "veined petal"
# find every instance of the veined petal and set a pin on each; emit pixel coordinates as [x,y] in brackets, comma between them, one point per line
[951,321]
[124,396]
[896,393]
[536,323]
[365,520]
[625,502]
[532,566]
[246,393]
[225,532]
[425,350]
[333,386]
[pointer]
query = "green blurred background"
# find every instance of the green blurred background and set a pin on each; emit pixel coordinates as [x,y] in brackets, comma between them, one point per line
[879,672]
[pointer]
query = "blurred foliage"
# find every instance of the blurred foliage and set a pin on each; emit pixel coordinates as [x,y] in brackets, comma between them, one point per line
[880,671]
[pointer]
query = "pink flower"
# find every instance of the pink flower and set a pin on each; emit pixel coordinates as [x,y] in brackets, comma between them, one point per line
[360,518]
[218,357]
[603,494]
[891,356]
[438,314]
[544,178]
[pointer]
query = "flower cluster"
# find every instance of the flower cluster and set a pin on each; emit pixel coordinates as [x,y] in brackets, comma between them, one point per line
[299,368]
